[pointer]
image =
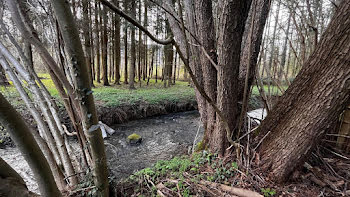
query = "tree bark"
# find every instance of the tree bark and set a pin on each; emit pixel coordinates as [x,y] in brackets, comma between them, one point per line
[117,47]
[86,33]
[87,106]
[231,29]
[207,36]
[312,103]
[125,44]
[97,32]
[105,48]
[169,56]
[132,65]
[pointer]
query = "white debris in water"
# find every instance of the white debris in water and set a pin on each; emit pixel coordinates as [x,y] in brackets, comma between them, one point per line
[257,115]
[105,129]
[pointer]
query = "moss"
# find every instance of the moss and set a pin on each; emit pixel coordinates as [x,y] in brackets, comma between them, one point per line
[134,136]
[201,146]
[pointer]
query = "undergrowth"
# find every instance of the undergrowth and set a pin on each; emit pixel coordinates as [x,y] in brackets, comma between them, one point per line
[183,176]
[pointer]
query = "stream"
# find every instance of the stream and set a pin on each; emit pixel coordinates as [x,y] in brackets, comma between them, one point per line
[163,137]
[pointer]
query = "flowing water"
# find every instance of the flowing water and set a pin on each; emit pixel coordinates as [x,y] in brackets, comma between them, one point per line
[163,137]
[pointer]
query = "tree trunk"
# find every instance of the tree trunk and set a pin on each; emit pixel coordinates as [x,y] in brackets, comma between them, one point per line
[117,47]
[97,32]
[132,49]
[312,103]
[21,135]
[126,45]
[87,106]
[206,34]
[105,48]
[231,29]
[86,30]
[169,56]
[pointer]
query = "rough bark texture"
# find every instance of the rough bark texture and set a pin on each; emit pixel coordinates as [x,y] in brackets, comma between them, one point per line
[83,86]
[312,103]
[207,36]
[192,52]
[87,42]
[251,46]
[231,27]
[21,135]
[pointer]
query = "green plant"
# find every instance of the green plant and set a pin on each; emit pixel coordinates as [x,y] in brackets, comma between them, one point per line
[268,192]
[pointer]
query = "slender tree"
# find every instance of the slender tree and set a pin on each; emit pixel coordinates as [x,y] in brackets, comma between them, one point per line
[117,47]
[132,65]
[87,43]
[97,32]
[83,86]
[126,4]
[105,47]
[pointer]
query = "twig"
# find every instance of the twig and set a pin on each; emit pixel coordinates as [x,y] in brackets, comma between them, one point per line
[261,141]
[337,154]
[195,138]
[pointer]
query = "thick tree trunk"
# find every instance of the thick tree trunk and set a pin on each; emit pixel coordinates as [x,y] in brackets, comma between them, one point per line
[231,29]
[312,103]
[206,34]
[21,135]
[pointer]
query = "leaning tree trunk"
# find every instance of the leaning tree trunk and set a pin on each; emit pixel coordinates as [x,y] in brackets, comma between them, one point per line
[21,135]
[312,103]
[86,100]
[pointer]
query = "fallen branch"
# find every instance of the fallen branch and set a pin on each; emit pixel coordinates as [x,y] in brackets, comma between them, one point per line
[232,190]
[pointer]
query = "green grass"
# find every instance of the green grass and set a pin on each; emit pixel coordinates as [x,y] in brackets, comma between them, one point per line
[153,94]
[116,95]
